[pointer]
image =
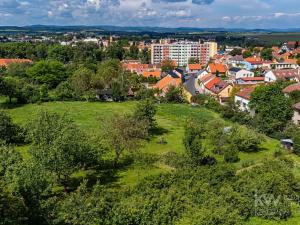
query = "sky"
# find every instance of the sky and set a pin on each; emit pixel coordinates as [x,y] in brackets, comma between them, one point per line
[162,13]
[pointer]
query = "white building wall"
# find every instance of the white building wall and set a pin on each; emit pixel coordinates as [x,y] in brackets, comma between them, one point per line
[270,77]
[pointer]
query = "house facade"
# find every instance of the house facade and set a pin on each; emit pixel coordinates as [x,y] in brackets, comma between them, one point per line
[286,74]
[242,99]
[296,117]
[237,73]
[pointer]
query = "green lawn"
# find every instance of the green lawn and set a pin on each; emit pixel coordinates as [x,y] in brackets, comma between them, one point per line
[170,119]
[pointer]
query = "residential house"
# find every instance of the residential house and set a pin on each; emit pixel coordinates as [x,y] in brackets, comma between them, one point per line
[164,84]
[193,68]
[202,73]
[291,88]
[237,61]
[288,64]
[191,87]
[255,61]
[136,67]
[156,74]
[296,117]
[287,74]
[217,69]
[250,80]
[237,73]
[6,62]
[242,99]
[177,73]
[202,81]
[218,88]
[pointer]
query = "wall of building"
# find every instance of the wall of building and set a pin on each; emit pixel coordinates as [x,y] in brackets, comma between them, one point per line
[296,117]
[181,52]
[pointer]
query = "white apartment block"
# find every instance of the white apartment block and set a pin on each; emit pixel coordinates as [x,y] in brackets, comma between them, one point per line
[182,51]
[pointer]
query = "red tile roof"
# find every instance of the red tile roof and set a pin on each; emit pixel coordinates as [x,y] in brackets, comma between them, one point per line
[253,59]
[6,62]
[212,82]
[195,66]
[167,81]
[218,87]
[214,67]
[286,73]
[246,92]
[156,74]
[291,88]
[206,78]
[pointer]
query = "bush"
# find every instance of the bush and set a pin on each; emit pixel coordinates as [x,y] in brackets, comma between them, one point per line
[231,154]
[246,140]
[9,132]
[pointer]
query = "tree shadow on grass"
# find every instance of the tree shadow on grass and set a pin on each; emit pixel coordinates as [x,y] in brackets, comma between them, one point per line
[158,131]
[13,105]
[106,174]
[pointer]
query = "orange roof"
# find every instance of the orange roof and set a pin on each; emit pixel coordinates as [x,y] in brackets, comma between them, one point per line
[156,74]
[246,92]
[214,67]
[207,78]
[6,62]
[195,66]
[212,83]
[253,59]
[291,61]
[135,66]
[167,81]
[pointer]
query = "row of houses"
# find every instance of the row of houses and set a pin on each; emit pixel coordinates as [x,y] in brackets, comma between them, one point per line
[243,98]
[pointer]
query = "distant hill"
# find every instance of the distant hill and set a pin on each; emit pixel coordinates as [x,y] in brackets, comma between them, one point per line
[52,28]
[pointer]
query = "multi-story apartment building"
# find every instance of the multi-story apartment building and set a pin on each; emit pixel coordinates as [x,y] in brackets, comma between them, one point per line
[182,51]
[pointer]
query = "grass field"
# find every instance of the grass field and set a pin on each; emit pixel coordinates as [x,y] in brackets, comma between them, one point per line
[170,118]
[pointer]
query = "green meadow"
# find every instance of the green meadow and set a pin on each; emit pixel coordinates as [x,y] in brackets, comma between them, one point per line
[170,119]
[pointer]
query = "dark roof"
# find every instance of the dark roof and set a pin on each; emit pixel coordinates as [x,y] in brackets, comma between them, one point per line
[190,85]
[235,69]
[173,74]
[180,71]
[237,58]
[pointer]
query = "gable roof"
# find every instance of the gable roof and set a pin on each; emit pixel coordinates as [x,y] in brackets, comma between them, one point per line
[214,67]
[235,69]
[253,59]
[291,88]
[7,62]
[156,74]
[246,92]
[206,78]
[167,81]
[237,58]
[216,85]
[212,82]
[285,73]
[194,66]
